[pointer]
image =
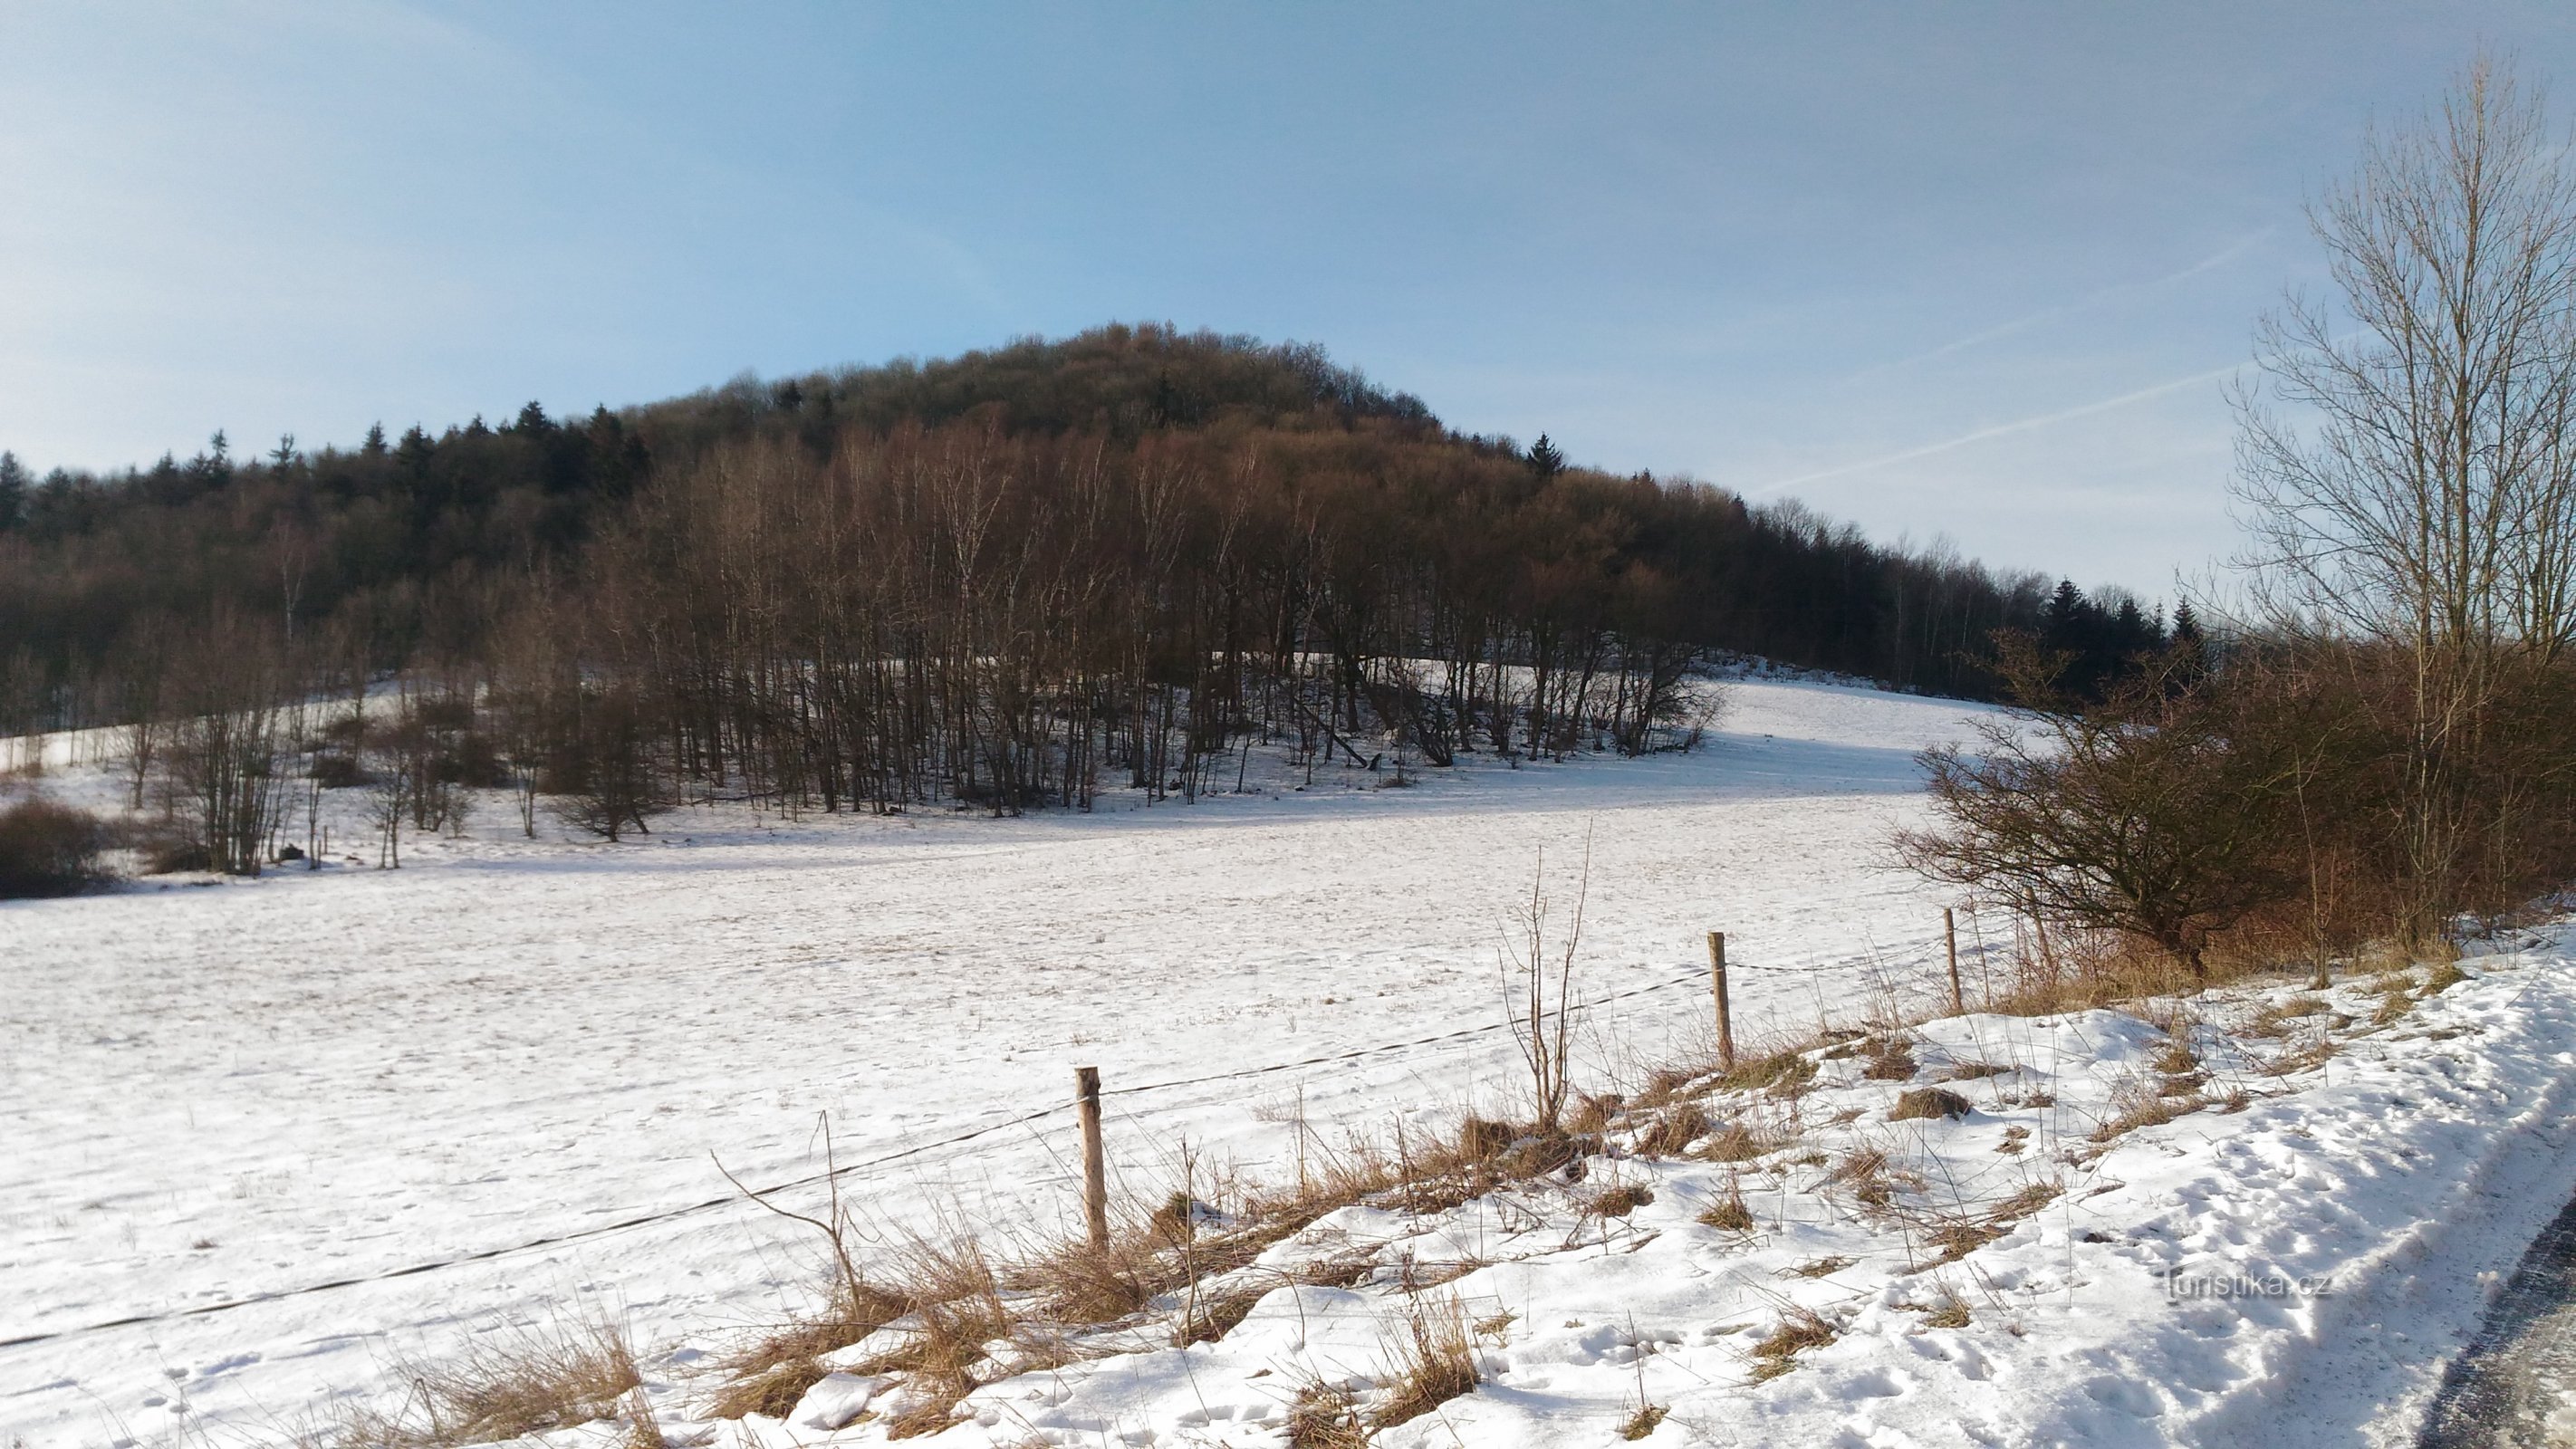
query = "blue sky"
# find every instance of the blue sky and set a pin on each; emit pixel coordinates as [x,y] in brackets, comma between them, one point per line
[1942,270]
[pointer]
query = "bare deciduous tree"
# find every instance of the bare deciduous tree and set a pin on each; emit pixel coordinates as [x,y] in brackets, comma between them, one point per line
[2408,470]
[1543,1009]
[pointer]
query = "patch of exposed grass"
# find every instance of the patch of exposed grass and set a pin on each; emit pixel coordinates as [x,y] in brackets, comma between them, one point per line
[2134,1106]
[2030,1198]
[1728,1214]
[1735,1142]
[2307,1058]
[1323,1417]
[511,1385]
[1480,1139]
[1674,1130]
[1643,1422]
[1594,1113]
[1214,1316]
[1923,1102]
[1621,1200]
[1434,1361]
[1799,1331]
[1891,1059]
[772,1391]
[954,1308]
[1781,1073]
[1957,1237]
[1666,1087]
[1864,1170]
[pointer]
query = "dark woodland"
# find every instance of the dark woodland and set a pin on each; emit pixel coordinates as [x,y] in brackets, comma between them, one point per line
[998,580]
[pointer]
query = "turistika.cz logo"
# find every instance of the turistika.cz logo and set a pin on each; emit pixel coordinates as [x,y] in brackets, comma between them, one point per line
[2246,1285]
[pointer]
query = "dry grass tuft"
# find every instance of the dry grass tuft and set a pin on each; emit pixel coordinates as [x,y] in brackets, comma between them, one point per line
[508,1387]
[1736,1142]
[1433,1362]
[1665,1087]
[1481,1140]
[1674,1131]
[1799,1331]
[1643,1422]
[643,1430]
[1323,1418]
[1923,1102]
[2030,1199]
[1621,1200]
[1865,1171]
[1213,1317]
[1592,1114]
[2307,1058]
[1782,1073]
[1957,1237]
[953,1309]
[1728,1214]
[2442,976]
[855,1309]
[1078,1284]
[1891,1059]
[1969,1071]
[1950,1312]
[772,1391]
[2134,1106]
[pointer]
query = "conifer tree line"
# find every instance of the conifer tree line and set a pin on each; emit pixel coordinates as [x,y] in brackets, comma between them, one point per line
[1003,580]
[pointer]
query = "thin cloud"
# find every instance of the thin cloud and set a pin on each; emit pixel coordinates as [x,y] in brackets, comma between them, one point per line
[2022,425]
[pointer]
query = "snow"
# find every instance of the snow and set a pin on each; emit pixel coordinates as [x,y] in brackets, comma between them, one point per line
[346,1072]
[2293,1265]
[220,1093]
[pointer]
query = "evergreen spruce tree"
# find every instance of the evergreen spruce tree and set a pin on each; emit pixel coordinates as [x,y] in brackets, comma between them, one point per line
[1544,459]
[13,492]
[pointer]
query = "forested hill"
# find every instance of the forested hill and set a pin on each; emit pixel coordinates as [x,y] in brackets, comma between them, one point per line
[1132,501]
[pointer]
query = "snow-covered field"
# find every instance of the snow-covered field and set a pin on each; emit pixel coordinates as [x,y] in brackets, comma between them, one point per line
[222,1092]
[2290,1264]
[218,1093]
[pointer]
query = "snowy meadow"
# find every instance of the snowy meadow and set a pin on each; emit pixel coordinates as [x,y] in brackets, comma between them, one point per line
[230,1090]
[274,1146]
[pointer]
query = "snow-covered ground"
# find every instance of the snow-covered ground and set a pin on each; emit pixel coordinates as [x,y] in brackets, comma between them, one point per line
[223,1092]
[249,1088]
[2290,1263]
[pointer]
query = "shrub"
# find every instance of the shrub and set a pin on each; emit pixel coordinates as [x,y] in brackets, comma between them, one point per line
[339,772]
[50,850]
[2159,813]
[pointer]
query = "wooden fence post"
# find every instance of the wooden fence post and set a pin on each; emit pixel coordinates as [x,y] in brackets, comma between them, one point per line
[1717,984]
[1950,938]
[1095,1175]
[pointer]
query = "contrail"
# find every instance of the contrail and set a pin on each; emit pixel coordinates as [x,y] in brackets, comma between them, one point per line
[2022,425]
[2219,258]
